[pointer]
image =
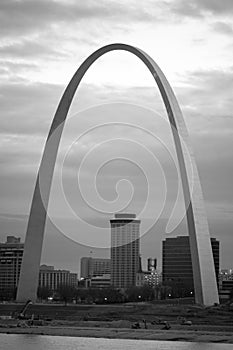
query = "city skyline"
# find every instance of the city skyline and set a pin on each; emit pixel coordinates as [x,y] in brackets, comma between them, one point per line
[175,253]
[200,75]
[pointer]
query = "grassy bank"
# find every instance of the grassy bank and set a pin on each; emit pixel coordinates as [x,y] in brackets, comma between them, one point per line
[128,312]
[115,321]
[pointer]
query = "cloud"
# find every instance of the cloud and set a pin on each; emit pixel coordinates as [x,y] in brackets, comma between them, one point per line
[214,161]
[27,16]
[27,108]
[27,111]
[41,40]
[199,8]
[29,49]
[11,69]
[222,27]
[206,100]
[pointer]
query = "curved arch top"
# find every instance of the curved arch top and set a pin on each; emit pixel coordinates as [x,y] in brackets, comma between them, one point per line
[202,259]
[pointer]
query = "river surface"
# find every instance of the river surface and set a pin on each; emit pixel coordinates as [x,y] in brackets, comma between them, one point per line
[48,342]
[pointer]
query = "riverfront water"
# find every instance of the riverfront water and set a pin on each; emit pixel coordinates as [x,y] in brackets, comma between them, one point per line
[46,342]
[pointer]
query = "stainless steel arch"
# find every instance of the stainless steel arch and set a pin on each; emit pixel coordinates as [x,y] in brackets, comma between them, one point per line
[202,259]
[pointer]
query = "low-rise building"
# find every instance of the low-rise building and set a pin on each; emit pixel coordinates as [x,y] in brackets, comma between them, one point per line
[103,281]
[150,278]
[225,290]
[91,267]
[52,279]
[11,254]
[226,275]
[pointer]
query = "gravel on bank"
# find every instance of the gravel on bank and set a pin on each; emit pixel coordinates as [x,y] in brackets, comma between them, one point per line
[126,333]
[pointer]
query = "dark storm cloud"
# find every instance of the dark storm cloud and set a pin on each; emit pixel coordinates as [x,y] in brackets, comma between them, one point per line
[20,17]
[197,8]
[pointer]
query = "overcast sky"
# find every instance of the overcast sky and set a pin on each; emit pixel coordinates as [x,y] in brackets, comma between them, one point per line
[42,43]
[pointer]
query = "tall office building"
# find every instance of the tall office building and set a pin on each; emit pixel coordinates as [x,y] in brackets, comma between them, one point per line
[11,253]
[125,246]
[177,263]
[92,267]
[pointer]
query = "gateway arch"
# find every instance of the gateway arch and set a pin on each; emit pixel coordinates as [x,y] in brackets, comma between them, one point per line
[205,285]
